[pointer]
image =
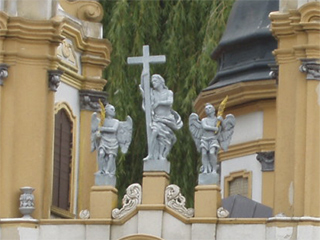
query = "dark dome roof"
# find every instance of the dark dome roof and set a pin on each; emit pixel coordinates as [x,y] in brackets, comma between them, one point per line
[245,50]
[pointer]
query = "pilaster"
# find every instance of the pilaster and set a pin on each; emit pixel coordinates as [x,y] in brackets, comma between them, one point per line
[267,167]
[154,185]
[298,37]
[312,164]
[27,114]
[103,199]
[207,200]
[89,103]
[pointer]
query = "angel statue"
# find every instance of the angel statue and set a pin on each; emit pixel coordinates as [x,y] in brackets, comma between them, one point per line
[211,133]
[107,134]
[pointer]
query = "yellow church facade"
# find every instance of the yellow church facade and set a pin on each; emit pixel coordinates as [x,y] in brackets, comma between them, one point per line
[52,59]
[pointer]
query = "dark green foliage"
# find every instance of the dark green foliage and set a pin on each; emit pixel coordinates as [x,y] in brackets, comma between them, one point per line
[186,32]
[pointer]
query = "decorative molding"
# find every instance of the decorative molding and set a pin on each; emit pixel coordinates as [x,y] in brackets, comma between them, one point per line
[84,214]
[239,93]
[54,79]
[267,161]
[140,237]
[175,201]
[274,72]
[68,55]
[26,202]
[3,72]
[311,67]
[310,12]
[130,201]
[85,10]
[89,99]
[222,213]
[247,148]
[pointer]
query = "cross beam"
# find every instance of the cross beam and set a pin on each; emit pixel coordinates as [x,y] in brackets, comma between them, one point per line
[146,60]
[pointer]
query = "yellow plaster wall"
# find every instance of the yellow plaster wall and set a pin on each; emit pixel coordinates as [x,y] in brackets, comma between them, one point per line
[27,106]
[88,162]
[297,141]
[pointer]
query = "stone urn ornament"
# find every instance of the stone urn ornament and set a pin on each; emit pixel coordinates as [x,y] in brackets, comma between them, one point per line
[26,202]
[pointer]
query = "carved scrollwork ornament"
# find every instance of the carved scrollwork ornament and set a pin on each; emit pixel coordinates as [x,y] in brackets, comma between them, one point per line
[86,10]
[222,213]
[84,214]
[130,201]
[54,79]
[175,201]
[311,67]
[89,100]
[3,72]
[90,12]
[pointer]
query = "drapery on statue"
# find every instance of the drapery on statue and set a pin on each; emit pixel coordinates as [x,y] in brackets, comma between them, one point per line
[210,134]
[164,120]
[107,134]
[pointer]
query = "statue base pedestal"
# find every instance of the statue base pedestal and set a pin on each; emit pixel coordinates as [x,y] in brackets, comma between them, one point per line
[208,178]
[104,179]
[103,199]
[154,185]
[156,166]
[207,199]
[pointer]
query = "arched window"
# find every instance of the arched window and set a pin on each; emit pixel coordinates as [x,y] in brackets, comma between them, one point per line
[63,160]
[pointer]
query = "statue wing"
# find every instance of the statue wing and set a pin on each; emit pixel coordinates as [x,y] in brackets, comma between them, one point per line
[196,129]
[95,121]
[124,134]
[227,129]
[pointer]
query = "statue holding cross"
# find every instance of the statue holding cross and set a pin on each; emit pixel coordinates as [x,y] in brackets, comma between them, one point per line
[161,119]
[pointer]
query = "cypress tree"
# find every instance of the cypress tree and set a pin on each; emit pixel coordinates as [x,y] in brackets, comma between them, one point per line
[186,32]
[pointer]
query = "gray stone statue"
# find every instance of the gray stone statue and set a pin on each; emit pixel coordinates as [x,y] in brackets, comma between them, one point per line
[209,135]
[164,120]
[107,134]
[161,120]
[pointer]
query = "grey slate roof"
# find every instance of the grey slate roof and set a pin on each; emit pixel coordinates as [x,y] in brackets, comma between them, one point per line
[242,207]
[245,50]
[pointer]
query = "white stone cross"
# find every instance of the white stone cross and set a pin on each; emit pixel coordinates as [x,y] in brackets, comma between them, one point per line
[146,59]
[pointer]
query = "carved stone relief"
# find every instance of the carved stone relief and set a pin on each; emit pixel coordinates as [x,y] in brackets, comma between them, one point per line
[89,100]
[222,213]
[267,161]
[175,201]
[68,55]
[54,79]
[84,10]
[26,202]
[311,67]
[84,214]
[130,201]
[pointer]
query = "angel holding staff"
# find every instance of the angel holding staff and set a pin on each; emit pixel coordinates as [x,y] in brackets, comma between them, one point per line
[211,133]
